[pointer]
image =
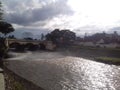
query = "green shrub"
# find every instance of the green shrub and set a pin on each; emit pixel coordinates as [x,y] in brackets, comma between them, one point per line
[108,59]
[3,48]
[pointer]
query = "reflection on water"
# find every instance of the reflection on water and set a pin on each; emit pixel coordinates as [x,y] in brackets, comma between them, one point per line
[53,71]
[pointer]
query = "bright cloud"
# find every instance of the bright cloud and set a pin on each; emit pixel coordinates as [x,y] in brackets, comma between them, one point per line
[78,15]
[97,12]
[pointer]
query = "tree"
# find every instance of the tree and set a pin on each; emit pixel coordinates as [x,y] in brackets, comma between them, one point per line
[42,36]
[1,12]
[5,28]
[53,36]
[11,37]
[48,36]
[61,36]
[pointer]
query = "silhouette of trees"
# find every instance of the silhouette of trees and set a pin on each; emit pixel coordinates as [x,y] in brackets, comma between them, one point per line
[11,37]
[48,36]
[61,36]
[1,12]
[42,36]
[5,28]
[28,38]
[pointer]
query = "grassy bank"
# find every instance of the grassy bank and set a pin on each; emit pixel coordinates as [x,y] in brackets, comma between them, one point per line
[97,52]
[2,87]
[109,60]
[106,55]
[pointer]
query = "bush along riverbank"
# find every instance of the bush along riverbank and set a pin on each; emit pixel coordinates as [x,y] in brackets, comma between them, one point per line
[3,51]
[109,60]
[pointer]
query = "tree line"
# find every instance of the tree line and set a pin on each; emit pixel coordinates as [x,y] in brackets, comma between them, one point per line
[5,28]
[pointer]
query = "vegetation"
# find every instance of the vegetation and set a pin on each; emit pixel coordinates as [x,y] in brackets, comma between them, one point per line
[42,36]
[109,60]
[5,28]
[3,48]
[11,37]
[29,38]
[106,55]
[18,86]
[1,12]
[63,37]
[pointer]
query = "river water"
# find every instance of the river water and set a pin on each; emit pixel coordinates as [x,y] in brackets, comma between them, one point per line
[56,71]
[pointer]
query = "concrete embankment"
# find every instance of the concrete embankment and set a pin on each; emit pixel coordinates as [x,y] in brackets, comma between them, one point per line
[59,71]
[15,82]
[24,71]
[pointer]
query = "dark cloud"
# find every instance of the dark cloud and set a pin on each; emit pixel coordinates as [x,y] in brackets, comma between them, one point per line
[31,15]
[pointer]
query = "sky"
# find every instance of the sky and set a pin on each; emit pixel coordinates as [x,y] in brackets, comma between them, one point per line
[80,16]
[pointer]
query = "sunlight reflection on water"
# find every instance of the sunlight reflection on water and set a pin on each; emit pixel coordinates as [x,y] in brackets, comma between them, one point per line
[54,71]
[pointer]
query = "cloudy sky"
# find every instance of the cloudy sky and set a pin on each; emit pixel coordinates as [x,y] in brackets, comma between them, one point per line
[80,16]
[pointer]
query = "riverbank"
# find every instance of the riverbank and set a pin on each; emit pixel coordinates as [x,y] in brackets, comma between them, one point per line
[105,55]
[53,71]
[2,83]
[109,60]
[32,58]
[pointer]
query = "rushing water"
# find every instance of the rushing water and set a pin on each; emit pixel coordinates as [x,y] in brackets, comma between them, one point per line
[55,71]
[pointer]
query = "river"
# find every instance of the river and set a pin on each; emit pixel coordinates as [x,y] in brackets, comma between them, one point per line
[56,71]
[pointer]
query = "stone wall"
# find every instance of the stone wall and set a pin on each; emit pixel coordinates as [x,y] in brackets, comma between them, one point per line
[15,82]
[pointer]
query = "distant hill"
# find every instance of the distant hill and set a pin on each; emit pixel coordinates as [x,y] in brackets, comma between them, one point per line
[36,33]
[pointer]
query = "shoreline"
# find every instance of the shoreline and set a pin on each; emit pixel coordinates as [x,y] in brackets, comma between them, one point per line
[96,54]
[103,55]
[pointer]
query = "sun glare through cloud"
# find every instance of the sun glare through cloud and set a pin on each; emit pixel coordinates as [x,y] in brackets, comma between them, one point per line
[80,16]
[101,13]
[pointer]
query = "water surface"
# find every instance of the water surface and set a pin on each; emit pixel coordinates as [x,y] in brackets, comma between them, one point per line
[55,71]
